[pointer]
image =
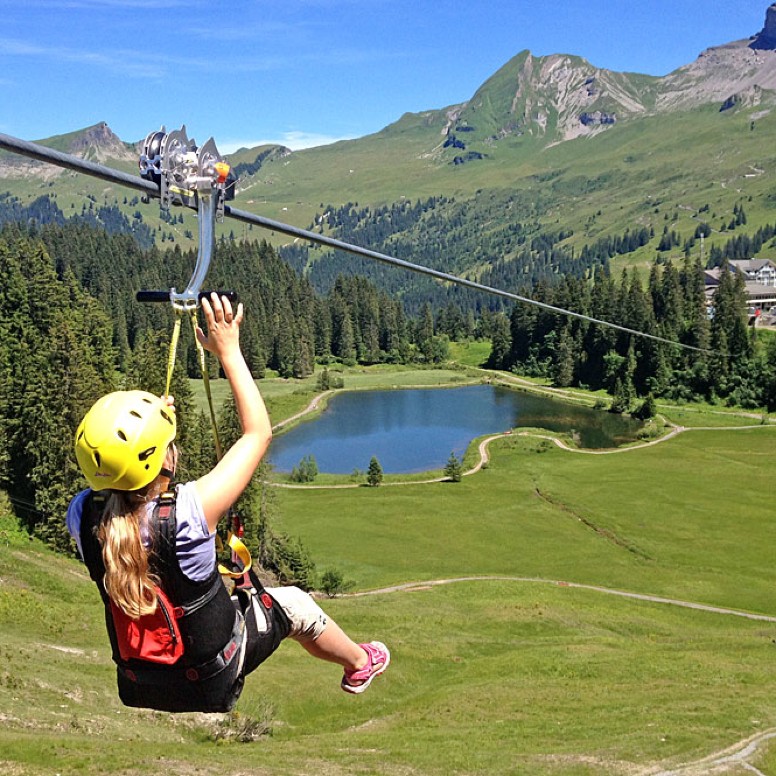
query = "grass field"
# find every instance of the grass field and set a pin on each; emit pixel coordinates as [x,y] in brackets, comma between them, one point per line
[518,673]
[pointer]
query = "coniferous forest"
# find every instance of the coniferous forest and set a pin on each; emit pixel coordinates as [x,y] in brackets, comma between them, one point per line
[71,330]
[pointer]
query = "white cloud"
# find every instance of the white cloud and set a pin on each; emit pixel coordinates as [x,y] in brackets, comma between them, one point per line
[109,5]
[123,62]
[296,141]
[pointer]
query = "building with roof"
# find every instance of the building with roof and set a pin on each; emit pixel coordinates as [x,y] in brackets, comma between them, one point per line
[759,280]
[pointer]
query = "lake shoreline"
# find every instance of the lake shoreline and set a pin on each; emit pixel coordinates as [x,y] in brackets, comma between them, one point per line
[459,424]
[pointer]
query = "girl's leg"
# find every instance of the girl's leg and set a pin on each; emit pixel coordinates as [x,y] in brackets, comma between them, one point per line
[362,662]
[336,646]
[316,632]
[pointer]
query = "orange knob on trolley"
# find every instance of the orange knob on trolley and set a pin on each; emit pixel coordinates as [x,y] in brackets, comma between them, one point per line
[222,170]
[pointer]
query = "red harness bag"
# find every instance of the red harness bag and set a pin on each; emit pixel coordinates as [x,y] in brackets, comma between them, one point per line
[155,637]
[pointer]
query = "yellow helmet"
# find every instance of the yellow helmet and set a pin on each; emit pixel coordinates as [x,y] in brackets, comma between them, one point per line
[122,441]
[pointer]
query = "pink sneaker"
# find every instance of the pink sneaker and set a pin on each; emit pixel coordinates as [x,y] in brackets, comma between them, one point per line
[378,658]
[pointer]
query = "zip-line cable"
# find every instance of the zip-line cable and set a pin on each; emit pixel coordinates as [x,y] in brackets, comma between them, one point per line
[44,154]
[385,258]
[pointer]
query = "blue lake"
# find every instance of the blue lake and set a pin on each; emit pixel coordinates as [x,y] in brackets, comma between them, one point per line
[415,430]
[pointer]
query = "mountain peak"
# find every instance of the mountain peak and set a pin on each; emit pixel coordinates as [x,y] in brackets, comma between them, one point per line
[100,135]
[548,98]
[99,143]
[766,38]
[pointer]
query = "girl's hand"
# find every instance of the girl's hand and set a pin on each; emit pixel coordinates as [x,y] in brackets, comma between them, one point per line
[223,326]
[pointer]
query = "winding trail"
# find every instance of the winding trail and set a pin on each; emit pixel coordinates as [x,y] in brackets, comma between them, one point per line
[427,584]
[731,758]
[311,407]
[734,757]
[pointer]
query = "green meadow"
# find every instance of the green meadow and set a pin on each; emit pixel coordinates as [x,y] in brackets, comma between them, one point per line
[523,661]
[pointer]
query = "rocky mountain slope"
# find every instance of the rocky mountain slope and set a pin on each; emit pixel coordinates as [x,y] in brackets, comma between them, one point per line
[561,97]
[97,143]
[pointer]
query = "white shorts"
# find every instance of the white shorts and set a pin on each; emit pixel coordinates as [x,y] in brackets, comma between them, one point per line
[308,620]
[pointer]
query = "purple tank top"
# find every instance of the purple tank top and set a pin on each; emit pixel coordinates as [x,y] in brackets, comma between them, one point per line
[195,545]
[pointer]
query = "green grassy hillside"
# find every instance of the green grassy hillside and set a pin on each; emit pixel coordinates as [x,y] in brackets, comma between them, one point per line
[519,673]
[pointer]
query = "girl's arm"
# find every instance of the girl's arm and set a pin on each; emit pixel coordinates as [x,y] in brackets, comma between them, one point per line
[224,484]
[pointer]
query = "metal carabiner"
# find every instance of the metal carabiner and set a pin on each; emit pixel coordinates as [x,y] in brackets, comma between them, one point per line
[192,177]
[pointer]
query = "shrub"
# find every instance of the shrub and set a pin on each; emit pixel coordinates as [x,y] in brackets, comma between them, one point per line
[333,583]
[307,470]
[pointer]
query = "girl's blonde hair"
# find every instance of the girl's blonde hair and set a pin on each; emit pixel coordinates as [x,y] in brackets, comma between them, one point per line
[128,579]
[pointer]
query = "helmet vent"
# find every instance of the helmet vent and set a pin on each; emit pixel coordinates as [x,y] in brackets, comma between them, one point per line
[121,435]
[146,454]
[166,416]
[97,459]
[135,414]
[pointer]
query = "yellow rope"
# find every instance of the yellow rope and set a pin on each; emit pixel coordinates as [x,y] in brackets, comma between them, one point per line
[206,383]
[176,332]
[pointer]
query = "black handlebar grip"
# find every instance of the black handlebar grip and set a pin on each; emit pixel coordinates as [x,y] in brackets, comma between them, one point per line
[152,296]
[164,296]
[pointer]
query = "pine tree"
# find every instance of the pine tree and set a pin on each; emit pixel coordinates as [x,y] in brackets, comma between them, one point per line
[648,408]
[374,474]
[293,563]
[425,334]
[563,363]
[453,469]
[343,340]
[501,346]
[283,352]
[728,328]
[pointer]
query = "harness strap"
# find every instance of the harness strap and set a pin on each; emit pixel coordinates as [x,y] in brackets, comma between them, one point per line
[161,527]
[176,331]
[234,648]
[172,352]
[239,553]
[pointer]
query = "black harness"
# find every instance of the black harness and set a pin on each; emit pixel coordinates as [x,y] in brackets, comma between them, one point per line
[224,637]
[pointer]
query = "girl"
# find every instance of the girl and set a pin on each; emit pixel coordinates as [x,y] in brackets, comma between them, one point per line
[180,642]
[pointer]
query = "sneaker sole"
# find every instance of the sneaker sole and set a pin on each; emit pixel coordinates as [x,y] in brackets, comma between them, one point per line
[357,689]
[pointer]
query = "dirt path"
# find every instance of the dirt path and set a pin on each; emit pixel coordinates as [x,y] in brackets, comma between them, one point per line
[425,585]
[311,407]
[728,760]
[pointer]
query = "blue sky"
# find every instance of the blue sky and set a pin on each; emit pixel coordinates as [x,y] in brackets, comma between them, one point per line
[306,72]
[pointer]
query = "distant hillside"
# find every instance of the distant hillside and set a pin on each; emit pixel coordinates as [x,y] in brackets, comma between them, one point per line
[549,151]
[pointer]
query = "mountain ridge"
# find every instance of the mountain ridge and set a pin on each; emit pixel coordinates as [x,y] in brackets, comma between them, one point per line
[547,145]
[555,97]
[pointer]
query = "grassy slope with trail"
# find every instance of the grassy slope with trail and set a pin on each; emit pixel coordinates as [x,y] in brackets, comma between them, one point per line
[545,679]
